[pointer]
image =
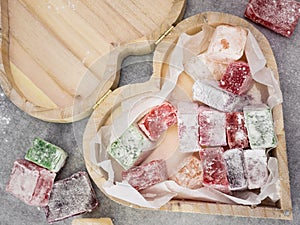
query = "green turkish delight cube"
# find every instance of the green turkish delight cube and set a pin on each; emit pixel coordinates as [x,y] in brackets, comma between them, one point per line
[46,155]
[130,148]
[260,127]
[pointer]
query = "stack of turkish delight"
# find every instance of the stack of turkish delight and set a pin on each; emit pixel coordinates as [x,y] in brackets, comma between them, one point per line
[224,134]
[32,181]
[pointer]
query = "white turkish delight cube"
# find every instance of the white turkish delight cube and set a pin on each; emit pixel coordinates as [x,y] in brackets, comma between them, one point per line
[227,44]
[256,167]
[209,93]
[188,128]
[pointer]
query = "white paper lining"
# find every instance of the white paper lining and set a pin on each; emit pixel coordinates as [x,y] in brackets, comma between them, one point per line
[159,194]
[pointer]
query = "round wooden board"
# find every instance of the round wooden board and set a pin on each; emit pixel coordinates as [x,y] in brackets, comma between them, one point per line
[60,57]
[102,115]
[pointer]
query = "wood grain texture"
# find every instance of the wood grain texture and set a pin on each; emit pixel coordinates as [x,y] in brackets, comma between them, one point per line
[61,56]
[101,116]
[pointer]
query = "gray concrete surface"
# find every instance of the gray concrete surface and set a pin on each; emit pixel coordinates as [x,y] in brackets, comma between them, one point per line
[17,130]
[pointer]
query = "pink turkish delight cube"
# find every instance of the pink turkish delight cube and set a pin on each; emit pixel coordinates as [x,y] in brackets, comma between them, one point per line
[30,183]
[212,125]
[190,174]
[234,161]
[237,78]
[237,136]
[188,128]
[158,120]
[256,167]
[144,176]
[280,16]
[214,169]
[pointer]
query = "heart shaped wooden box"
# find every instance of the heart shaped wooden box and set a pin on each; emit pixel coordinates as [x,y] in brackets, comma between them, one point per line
[62,62]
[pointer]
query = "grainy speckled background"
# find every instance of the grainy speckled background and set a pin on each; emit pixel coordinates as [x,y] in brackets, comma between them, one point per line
[17,130]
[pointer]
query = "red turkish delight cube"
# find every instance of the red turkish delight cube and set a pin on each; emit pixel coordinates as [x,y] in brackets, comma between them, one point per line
[30,183]
[212,127]
[144,176]
[237,78]
[214,169]
[280,16]
[237,136]
[158,120]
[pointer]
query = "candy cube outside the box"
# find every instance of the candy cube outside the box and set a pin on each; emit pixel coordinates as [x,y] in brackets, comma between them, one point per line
[260,127]
[71,196]
[131,148]
[30,183]
[237,135]
[158,120]
[214,169]
[144,176]
[237,79]
[212,125]
[92,221]
[190,175]
[256,167]
[280,16]
[46,155]
[234,161]
[209,93]
[188,128]
[227,44]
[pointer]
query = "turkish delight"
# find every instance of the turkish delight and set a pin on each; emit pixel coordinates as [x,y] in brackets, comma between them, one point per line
[234,161]
[212,124]
[280,16]
[71,196]
[237,78]
[227,44]
[46,155]
[209,93]
[92,221]
[214,169]
[256,168]
[188,128]
[260,128]
[237,136]
[146,175]
[190,174]
[30,183]
[130,148]
[158,120]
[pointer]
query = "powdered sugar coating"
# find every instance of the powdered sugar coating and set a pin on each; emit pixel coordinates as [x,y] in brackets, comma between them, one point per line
[188,128]
[237,136]
[256,167]
[280,16]
[30,183]
[190,175]
[209,93]
[158,120]
[234,161]
[212,127]
[214,169]
[146,175]
[227,44]
[237,78]
[71,196]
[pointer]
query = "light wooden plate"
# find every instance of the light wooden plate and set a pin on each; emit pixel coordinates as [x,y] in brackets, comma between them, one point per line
[102,115]
[61,56]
